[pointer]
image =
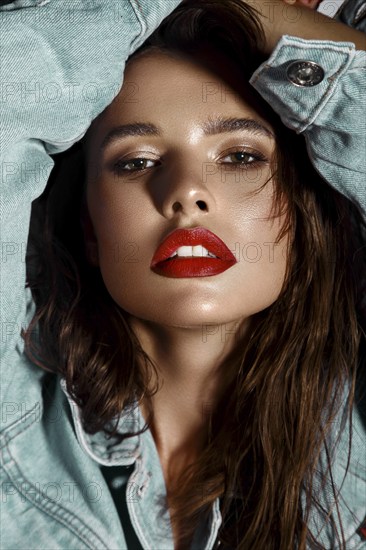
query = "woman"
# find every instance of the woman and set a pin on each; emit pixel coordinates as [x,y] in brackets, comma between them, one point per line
[194,158]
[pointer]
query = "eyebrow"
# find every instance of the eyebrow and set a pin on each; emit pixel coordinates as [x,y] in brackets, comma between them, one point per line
[211,127]
[127,130]
[223,125]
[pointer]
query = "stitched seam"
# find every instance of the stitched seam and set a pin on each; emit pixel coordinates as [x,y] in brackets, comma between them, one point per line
[49,508]
[291,44]
[334,163]
[20,425]
[134,476]
[332,80]
[299,43]
[324,100]
[86,447]
[217,520]
[140,18]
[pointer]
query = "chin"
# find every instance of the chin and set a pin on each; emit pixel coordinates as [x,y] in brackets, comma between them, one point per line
[195,307]
[199,317]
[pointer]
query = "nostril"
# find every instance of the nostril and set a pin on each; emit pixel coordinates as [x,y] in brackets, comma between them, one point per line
[201,205]
[178,206]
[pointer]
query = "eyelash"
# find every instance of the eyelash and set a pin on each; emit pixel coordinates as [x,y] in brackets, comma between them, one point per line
[257,157]
[120,166]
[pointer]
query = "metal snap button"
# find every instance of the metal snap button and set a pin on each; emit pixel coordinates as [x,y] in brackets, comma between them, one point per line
[305,73]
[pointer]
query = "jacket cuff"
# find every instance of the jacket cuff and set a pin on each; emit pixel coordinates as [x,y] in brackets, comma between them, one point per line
[299,103]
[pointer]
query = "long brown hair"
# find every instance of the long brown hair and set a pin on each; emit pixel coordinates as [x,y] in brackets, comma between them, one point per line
[288,386]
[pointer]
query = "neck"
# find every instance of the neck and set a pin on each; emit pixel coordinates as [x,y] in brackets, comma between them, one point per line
[193,370]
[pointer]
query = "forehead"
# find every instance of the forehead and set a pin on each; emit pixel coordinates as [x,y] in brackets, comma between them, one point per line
[167,76]
[175,93]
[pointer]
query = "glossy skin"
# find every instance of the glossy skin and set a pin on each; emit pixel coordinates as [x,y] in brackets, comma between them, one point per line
[188,179]
[170,315]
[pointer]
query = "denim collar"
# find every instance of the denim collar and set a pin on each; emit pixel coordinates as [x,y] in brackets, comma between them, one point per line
[106,450]
[148,475]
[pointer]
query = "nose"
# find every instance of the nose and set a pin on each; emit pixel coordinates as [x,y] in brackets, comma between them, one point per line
[184,194]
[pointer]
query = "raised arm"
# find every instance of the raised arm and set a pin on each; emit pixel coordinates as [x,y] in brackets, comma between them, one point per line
[61,64]
[281,17]
[315,79]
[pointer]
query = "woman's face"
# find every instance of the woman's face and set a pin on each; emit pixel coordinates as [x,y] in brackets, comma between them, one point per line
[180,160]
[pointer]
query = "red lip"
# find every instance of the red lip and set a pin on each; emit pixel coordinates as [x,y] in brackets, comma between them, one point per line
[181,267]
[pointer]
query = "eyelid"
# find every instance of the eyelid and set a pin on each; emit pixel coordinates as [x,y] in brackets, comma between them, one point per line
[117,161]
[150,155]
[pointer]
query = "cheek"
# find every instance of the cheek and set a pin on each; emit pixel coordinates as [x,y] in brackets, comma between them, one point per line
[127,235]
[261,255]
[263,265]
[122,227]
[116,217]
[118,244]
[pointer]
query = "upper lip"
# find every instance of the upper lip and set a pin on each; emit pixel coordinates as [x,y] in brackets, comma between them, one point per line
[192,237]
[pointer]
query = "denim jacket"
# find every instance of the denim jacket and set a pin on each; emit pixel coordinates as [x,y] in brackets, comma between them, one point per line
[61,65]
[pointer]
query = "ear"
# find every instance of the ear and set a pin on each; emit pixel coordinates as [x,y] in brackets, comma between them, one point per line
[90,240]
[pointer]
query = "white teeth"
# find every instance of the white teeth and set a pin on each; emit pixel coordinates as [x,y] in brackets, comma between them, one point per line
[198,251]
[184,251]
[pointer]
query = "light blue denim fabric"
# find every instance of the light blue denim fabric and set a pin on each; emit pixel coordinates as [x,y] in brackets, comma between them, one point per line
[61,64]
[331,114]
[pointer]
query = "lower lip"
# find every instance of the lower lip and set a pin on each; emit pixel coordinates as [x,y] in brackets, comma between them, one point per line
[192,267]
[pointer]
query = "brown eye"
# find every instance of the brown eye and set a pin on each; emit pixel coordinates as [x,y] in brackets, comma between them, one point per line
[135,165]
[242,158]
